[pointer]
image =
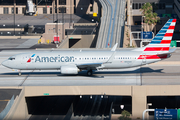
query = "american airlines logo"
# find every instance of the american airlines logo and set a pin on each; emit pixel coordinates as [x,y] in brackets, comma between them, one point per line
[29,60]
[55,59]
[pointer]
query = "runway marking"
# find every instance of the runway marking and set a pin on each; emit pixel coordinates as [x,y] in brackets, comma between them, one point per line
[46,17]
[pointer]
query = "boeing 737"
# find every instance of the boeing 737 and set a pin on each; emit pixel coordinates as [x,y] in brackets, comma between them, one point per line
[71,62]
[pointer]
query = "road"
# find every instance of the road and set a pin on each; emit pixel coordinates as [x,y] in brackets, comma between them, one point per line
[162,73]
[112,24]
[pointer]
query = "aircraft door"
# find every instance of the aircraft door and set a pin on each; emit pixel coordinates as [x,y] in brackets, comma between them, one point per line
[25,59]
[143,58]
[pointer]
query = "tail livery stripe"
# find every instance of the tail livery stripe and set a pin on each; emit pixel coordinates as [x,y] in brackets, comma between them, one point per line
[157,45]
[165,41]
[161,42]
[168,35]
[157,49]
[152,56]
[171,27]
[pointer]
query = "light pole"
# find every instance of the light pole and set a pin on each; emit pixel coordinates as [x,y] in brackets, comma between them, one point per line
[142,26]
[63,11]
[14,17]
[53,10]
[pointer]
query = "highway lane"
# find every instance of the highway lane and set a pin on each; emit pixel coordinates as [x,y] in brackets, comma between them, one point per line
[166,72]
[104,24]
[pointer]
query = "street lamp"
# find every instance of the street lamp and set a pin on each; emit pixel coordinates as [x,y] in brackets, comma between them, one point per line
[147,107]
[142,26]
[122,106]
[14,17]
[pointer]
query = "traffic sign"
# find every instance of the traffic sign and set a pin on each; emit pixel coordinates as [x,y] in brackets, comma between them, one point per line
[165,114]
[178,114]
[46,93]
[146,35]
[173,43]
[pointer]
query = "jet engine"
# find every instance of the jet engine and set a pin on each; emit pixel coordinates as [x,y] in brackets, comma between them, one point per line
[69,70]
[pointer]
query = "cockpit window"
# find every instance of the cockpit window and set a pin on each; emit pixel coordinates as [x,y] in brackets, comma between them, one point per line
[11,58]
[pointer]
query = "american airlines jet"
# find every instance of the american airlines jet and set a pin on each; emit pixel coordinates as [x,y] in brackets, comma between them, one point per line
[71,62]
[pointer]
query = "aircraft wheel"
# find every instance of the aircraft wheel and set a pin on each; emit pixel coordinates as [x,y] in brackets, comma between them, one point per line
[89,72]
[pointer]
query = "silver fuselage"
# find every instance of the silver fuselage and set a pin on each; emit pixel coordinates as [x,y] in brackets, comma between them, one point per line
[56,59]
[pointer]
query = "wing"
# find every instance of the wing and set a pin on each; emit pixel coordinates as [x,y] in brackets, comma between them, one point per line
[94,66]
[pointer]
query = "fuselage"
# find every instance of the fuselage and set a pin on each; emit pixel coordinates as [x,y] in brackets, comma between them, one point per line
[71,62]
[56,59]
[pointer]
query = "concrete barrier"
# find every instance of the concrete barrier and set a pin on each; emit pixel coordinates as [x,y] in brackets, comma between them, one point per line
[18,110]
[7,108]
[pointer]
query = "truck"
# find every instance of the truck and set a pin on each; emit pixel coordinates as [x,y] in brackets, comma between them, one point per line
[30,8]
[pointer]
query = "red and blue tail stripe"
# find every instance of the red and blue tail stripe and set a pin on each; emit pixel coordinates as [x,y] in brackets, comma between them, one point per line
[161,42]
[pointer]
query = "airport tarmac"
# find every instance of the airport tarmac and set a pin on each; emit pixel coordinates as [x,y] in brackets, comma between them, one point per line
[161,73]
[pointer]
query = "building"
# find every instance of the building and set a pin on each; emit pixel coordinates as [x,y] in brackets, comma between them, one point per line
[165,9]
[49,6]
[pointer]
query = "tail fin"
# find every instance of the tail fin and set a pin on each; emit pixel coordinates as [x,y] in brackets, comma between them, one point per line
[161,42]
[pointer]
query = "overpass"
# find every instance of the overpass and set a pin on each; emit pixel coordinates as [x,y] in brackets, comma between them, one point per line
[138,95]
[112,23]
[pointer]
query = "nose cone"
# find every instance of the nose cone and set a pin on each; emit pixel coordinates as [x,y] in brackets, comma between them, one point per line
[5,63]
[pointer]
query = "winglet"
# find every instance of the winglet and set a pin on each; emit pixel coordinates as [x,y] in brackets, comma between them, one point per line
[114,47]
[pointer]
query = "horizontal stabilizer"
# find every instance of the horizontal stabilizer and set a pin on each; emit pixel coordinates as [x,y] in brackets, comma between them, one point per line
[169,52]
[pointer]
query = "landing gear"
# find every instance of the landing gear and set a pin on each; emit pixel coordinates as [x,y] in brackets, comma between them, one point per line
[89,72]
[19,72]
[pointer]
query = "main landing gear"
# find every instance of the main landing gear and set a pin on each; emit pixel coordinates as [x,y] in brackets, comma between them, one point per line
[19,72]
[89,72]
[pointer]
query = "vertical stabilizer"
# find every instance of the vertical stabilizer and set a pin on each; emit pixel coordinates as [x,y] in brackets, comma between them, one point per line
[162,40]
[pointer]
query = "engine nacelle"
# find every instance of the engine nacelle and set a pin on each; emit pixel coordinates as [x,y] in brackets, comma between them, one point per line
[69,70]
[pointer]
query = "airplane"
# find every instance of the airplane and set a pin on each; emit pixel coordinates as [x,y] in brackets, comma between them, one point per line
[71,62]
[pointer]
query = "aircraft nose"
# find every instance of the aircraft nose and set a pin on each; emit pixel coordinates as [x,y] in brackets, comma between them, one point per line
[5,63]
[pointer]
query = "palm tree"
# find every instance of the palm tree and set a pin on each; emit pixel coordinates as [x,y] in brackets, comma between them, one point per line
[151,18]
